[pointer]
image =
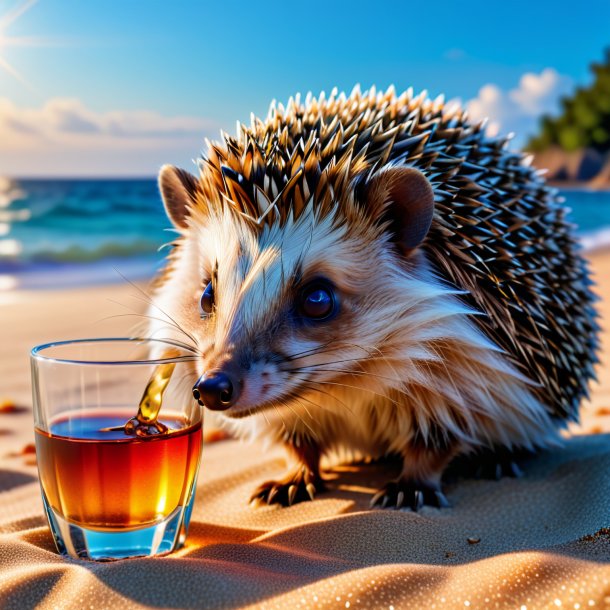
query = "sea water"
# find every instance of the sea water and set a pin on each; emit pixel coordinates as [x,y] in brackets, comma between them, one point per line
[74,232]
[61,233]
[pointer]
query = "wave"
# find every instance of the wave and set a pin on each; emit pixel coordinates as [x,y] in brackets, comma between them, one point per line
[78,254]
[54,275]
[590,241]
[95,209]
[595,240]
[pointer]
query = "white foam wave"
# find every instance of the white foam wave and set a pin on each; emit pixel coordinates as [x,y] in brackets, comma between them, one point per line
[10,248]
[596,240]
[8,282]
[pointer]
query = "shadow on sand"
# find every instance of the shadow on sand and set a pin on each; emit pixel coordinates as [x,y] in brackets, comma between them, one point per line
[563,496]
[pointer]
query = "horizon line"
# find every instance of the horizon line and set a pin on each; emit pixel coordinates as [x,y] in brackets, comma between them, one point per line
[81,177]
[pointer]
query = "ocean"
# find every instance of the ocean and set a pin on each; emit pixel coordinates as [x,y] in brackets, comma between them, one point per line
[62,233]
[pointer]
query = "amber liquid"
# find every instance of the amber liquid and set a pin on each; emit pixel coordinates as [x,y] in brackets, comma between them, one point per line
[109,480]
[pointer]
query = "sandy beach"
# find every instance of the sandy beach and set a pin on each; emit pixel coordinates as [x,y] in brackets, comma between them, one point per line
[542,542]
[29,318]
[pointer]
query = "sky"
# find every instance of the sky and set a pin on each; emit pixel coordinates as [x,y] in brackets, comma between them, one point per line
[120,87]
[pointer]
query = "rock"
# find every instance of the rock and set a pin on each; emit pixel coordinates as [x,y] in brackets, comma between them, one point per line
[575,166]
[602,180]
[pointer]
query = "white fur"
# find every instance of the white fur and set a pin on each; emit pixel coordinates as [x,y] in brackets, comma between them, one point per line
[415,357]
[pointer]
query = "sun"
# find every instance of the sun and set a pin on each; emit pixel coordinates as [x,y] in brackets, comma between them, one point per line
[6,20]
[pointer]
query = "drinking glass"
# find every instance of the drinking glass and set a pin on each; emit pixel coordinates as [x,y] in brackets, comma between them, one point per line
[112,492]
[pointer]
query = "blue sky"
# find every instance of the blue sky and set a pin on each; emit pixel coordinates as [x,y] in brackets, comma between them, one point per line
[122,86]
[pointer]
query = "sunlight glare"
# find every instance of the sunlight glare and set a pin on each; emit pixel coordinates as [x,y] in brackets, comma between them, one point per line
[5,41]
[8,282]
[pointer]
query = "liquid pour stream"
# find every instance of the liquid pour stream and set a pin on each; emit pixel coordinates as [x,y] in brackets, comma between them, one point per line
[145,422]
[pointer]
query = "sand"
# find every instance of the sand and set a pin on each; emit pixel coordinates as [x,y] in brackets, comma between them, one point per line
[542,542]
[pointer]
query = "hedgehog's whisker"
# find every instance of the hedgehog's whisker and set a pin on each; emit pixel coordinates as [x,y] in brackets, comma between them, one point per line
[170,319]
[190,348]
[352,387]
[401,390]
[193,347]
[384,358]
[148,299]
[298,398]
[182,344]
[299,418]
[318,368]
[472,408]
[327,394]
[182,388]
[319,350]
[333,362]
[274,404]
[307,351]
[141,315]
[264,414]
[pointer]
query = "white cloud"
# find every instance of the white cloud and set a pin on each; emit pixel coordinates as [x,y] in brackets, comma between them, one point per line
[64,136]
[518,110]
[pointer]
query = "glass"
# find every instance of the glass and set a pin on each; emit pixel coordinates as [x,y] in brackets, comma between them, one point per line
[109,493]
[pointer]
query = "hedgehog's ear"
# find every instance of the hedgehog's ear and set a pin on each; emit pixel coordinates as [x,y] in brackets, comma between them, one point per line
[403,198]
[178,190]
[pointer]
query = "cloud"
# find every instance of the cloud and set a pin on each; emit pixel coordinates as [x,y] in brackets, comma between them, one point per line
[64,136]
[518,110]
[67,116]
[455,54]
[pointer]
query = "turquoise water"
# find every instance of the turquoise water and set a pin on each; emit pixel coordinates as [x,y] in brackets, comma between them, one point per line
[59,233]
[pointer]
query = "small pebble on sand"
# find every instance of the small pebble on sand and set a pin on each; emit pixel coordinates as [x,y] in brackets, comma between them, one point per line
[215,435]
[7,406]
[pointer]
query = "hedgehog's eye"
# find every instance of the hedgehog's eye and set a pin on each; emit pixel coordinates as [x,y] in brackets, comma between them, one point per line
[206,304]
[318,301]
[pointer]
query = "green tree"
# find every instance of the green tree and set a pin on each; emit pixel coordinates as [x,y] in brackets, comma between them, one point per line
[584,120]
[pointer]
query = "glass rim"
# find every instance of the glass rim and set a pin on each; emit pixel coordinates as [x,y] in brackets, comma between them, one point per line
[35,352]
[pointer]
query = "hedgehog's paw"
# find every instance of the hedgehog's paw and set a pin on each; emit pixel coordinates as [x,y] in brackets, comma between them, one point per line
[489,464]
[406,493]
[296,487]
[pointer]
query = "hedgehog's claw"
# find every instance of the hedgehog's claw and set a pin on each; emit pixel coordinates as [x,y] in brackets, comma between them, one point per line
[487,464]
[405,493]
[498,469]
[299,486]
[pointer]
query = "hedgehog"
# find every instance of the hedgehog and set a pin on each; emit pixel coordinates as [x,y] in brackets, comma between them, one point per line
[375,274]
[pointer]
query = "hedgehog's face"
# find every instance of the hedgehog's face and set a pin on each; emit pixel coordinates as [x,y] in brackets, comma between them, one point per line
[282,315]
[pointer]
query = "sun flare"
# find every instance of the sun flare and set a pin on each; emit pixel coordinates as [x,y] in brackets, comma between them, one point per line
[6,20]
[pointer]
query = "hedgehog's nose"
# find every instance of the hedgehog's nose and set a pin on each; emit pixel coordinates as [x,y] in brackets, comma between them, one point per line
[215,391]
